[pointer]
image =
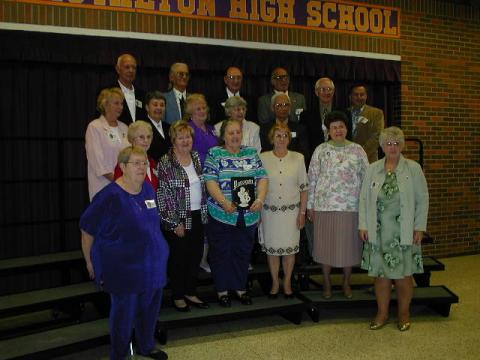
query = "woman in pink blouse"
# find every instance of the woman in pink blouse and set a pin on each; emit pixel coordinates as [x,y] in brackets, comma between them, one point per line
[335,178]
[104,139]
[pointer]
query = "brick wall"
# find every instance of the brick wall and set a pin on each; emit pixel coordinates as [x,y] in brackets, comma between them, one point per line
[440,50]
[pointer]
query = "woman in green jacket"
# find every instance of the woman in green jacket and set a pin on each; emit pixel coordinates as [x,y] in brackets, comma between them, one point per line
[392,219]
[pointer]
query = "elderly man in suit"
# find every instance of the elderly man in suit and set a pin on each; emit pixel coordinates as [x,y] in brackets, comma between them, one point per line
[155,105]
[179,76]
[366,122]
[233,81]
[280,82]
[126,68]
[314,118]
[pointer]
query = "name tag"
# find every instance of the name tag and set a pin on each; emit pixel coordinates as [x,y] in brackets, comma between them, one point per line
[298,111]
[294,134]
[138,103]
[150,204]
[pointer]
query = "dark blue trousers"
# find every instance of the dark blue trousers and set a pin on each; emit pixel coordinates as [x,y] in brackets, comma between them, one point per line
[129,311]
[229,251]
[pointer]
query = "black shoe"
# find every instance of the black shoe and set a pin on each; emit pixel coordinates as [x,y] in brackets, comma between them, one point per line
[199,305]
[245,299]
[159,355]
[224,301]
[272,296]
[289,296]
[181,308]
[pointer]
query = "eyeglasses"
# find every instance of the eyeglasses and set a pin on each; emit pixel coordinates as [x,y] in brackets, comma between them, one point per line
[281,136]
[280,77]
[326,90]
[284,104]
[138,163]
[183,74]
[234,77]
[392,143]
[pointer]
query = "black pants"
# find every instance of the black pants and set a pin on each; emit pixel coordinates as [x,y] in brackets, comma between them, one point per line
[185,255]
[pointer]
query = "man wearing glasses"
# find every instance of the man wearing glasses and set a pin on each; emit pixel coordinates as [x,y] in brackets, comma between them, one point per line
[280,82]
[233,81]
[367,122]
[314,118]
[178,76]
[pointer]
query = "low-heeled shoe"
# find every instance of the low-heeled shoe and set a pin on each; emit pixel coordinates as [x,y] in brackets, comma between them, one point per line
[245,299]
[272,295]
[289,296]
[198,305]
[404,326]
[376,325]
[224,301]
[181,309]
[159,355]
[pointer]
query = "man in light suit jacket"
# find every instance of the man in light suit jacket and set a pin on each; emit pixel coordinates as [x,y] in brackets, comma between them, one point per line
[176,97]
[133,108]
[280,82]
[366,122]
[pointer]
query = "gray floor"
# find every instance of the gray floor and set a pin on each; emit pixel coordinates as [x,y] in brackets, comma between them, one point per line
[342,334]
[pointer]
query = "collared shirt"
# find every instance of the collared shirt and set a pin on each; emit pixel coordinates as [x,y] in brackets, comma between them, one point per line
[280,92]
[158,126]
[129,98]
[178,96]
[230,94]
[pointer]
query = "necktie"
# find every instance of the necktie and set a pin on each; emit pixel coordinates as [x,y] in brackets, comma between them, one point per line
[182,106]
[324,115]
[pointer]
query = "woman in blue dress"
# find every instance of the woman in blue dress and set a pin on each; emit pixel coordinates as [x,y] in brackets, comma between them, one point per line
[392,219]
[126,253]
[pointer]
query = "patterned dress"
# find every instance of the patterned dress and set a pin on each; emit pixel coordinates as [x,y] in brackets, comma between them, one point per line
[287,177]
[389,259]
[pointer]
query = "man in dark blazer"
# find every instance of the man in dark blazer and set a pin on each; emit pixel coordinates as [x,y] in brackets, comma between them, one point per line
[280,105]
[133,107]
[155,104]
[179,76]
[367,121]
[314,119]
[233,81]
[280,82]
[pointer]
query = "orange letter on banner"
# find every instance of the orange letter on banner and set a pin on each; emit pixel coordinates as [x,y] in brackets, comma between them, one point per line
[238,9]
[314,14]
[254,10]
[361,19]
[268,16]
[285,11]
[164,5]
[327,8]
[145,4]
[376,21]
[388,29]
[186,9]
[98,2]
[206,8]
[346,17]
[121,3]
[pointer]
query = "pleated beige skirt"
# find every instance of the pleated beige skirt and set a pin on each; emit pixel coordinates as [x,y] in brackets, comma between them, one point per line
[336,242]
